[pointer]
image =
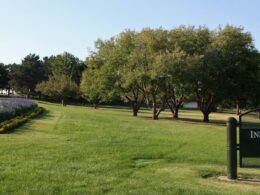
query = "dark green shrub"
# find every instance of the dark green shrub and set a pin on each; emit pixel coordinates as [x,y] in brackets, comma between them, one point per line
[10,124]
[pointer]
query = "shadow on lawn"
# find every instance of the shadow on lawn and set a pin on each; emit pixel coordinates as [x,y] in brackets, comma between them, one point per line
[44,115]
[211,121]
[190,120]
[123,108]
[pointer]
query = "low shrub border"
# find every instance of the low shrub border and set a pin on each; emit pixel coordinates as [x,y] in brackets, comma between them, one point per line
[9,125]
[13,107]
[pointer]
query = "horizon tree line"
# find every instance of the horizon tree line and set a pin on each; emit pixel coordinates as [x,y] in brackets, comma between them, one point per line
[154,67]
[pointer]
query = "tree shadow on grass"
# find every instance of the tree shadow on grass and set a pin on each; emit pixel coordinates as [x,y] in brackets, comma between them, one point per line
[116,108]
[189,120]
[44,115]
[211,121]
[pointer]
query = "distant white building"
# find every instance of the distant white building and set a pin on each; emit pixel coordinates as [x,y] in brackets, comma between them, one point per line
[5,92]
[191,105]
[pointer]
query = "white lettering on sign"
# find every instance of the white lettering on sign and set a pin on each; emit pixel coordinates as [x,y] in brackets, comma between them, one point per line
[254,134]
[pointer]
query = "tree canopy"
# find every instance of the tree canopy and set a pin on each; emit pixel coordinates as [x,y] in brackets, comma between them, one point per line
[60,87]
[26,76]
[167,67]
[156,68]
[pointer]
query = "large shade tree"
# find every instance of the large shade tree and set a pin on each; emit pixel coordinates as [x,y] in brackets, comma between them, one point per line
[126,61]
[151,48]
[222,70]
[239,61]
[177,86]
[97,83]
[163,67]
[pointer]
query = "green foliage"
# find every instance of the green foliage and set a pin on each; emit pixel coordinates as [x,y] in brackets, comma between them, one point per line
[26,76]
[240,63]
[4,78]
[95,86]
[220,64]
[172,66]
[66,64]
[21,118]
[60,87]
[155,66]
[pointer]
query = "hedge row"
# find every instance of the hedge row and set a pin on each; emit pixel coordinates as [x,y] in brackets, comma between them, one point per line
[19,111]
[9,125]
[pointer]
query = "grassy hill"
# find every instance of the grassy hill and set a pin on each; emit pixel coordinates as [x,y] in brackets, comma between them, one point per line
[79,150]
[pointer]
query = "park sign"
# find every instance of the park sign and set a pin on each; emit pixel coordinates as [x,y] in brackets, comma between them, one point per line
[249,139]
[249,142]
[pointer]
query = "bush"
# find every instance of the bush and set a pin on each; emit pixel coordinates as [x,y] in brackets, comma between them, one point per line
[9,125]
[12,107]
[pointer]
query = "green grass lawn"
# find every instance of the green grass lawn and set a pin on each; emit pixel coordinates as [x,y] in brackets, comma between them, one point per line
[79,150]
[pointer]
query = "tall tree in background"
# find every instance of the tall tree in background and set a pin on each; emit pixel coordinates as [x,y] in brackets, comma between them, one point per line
[4,77]
[66,64]
[26,76]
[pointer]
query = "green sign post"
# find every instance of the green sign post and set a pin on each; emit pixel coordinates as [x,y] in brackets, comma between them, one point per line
[232,148]
[249,142]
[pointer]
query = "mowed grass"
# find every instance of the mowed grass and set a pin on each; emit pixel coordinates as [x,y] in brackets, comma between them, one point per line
[79,150]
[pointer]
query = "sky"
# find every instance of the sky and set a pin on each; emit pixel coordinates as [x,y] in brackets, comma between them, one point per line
[50,27]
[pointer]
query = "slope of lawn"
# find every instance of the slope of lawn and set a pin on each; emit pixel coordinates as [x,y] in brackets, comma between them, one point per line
[79,150]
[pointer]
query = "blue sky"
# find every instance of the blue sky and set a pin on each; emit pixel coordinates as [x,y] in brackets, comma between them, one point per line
[47,27]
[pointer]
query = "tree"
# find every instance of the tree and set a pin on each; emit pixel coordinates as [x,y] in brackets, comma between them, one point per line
[221,71]
[97,83]
[26,76]
[151,48]
[162,67]
[4,78]
[207,81]
[66,64]
[60,87]
[239,60]
[177,87]
[125,63]
[93,87]
[113,60]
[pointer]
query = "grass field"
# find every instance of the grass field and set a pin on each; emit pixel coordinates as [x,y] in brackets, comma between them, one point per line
[79,150]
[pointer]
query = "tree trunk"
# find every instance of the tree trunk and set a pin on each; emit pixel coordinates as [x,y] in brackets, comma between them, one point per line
[135,107]
[154,110]
[238,109]
[205,117]
[155,117]
[135,111]
[174,110]
[176,113]
[63,102]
